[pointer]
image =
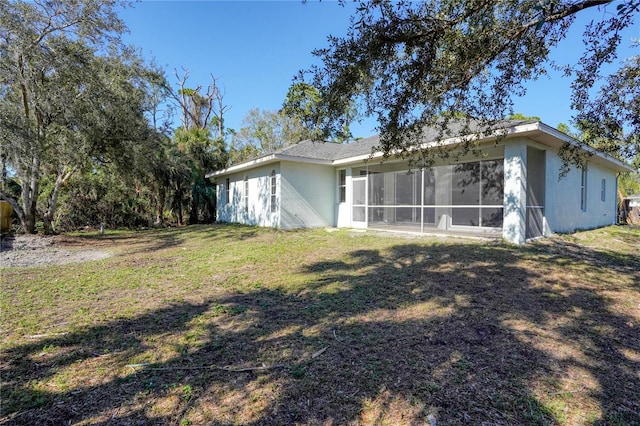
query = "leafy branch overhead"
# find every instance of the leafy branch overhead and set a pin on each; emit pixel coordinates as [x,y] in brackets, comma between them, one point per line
[415,64]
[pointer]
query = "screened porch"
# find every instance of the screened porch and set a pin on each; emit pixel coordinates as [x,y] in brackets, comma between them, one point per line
[466,197]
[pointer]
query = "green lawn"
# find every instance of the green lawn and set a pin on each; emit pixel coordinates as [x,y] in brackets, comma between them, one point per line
[239,325]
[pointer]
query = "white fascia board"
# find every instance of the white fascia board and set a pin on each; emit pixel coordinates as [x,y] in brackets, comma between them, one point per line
[356,159]
[445,142]
[305,160]
[560,138]
[243,166]
[557,138]
[550,137]
[263,161]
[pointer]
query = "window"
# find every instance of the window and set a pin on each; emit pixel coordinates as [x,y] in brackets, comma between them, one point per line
[246,193]
[342,185]
[273,191]
[583,190]
[603,190]
[227,191]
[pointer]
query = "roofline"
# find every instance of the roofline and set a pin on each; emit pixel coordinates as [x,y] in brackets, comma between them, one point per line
[619,165]
[520,130]
[426,145]
[533,127]
[265,160]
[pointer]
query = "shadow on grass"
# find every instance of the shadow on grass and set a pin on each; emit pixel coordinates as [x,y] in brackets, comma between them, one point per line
[468,333]
[152,240]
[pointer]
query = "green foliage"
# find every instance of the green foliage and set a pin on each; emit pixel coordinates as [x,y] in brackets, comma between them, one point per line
[610,121]
[303,104]
[103,197]
[629,183]
[564,128]
[266,131]
[71,97]
[407,63]
[196,154]
[519,116]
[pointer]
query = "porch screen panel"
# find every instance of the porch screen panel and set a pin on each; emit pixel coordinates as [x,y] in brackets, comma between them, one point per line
[429,196]
[492,193]
[478,184]
[535,192]
[535,222]
[465,192]
[359,199]
[406,195]
[376,196]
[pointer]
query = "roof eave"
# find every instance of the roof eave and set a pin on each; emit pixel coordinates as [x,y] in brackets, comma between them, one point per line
[536,130]
[263,161]
[555,139]
[552,137]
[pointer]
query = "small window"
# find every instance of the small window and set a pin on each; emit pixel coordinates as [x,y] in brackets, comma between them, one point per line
[227,191]
[246,193]
[583,190]
[273,191]
[342,185]
[603,190]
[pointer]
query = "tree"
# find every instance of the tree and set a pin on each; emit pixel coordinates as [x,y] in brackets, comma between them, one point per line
[520,116]
[70,95]
[611,120]
[303,103]
[411,64]
[628,182]
[201,147]
[265,131]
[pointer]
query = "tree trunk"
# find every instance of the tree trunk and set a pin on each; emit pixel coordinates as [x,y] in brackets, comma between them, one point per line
[47,218]
[177,201]
[193,213]
[29,200]
[162,196]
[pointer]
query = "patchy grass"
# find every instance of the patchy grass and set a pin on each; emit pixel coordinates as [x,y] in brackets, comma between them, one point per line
[239,325]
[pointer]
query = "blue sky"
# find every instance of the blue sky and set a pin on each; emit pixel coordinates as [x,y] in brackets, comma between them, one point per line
[255,48]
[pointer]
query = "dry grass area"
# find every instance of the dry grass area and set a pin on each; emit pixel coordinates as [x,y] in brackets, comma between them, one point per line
[234,325]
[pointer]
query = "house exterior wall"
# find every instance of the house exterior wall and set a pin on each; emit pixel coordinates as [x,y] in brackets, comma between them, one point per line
[308,195]
[531,200]
[258,211]
[563,197]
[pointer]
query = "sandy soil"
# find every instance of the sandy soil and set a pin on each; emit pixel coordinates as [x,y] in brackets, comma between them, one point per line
[34,250]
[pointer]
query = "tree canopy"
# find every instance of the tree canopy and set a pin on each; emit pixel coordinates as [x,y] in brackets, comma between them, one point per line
[70,96]
[421,64]
[265,131]
[303,104]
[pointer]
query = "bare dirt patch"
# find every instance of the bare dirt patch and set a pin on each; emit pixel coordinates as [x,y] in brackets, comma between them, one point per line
[35,250]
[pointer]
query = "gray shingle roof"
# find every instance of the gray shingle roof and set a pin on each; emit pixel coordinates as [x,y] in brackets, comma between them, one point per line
[329,150]
[335,151]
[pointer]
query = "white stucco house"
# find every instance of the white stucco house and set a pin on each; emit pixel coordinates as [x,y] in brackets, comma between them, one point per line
[513,190]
